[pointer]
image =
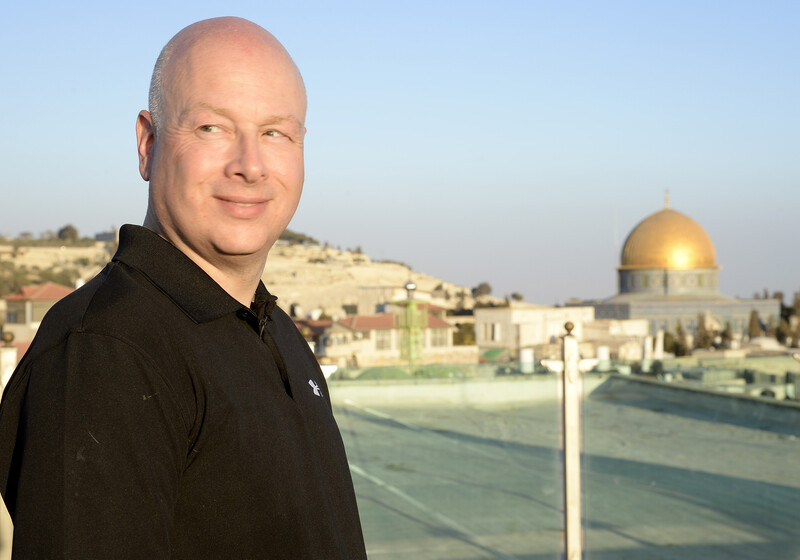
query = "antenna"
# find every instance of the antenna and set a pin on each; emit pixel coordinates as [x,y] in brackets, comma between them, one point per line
[666,200]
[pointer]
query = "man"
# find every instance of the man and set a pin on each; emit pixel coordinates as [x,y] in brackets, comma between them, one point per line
[168,409]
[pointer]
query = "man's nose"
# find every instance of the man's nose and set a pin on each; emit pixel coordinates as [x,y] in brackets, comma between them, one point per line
[248,159]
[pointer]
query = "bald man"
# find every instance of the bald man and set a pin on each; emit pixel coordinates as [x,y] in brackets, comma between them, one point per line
[169,409]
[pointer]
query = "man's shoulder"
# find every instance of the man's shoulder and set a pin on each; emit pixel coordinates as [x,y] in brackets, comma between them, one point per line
[119,302]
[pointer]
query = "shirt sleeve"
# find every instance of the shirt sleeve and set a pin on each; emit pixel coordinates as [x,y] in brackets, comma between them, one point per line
[100,447]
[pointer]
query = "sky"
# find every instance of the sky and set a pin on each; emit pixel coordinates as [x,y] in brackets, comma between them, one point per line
[509,142]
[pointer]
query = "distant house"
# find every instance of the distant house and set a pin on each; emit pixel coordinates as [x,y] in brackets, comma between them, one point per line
[382,340]
[26,308]
[523,325]
[312,330]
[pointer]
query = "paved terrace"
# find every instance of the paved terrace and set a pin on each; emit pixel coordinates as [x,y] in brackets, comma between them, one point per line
[470,470]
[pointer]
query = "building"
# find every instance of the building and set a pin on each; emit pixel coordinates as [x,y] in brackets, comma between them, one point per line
[668,274]
[26,308]
[520,325]
[384,340]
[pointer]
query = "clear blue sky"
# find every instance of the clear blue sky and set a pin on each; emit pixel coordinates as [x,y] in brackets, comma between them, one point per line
[511,142]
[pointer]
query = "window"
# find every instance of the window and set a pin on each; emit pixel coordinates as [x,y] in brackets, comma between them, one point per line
[491,332]
[439,337]
[383,340]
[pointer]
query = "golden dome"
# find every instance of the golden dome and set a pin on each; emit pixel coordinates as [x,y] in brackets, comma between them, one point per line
[668,240]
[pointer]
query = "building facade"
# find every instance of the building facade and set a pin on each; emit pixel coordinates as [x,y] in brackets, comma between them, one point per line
[385,340]
[522,325]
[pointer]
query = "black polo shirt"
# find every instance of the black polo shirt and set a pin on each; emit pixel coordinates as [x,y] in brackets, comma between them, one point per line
[156,417]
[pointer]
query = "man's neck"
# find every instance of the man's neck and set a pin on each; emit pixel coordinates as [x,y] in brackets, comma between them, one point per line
[237,275]
[239,284]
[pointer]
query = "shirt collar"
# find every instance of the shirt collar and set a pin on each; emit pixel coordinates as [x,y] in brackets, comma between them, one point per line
[181,279]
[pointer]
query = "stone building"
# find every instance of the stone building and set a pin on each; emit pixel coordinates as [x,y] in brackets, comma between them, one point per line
[523,325]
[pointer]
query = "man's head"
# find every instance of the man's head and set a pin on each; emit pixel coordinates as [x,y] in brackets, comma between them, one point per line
[222,144]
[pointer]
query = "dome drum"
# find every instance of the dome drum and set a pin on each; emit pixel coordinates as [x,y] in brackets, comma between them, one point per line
[668,282]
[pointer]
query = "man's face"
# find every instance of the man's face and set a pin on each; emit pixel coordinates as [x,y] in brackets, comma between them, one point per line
[226,168]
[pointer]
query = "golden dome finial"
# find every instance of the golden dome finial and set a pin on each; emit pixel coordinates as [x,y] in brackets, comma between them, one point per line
[666,200]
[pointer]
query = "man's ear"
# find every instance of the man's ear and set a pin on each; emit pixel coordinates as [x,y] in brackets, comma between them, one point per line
[145,142]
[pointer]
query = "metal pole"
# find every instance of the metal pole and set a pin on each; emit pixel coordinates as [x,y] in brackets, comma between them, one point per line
[572,395]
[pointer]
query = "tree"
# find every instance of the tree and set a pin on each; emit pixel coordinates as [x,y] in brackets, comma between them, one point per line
[669,342]
[68,233]
[754,329]
[482,289]
[681,344]
[516,296]
[703,338]
[770,330]
[796,304]
[727,335]
[783,331]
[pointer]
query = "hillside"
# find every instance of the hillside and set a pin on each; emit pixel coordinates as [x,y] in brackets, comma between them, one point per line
[326,279]
[315,278]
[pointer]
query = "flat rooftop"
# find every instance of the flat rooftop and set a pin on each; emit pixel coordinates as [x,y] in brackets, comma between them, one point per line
[664,477]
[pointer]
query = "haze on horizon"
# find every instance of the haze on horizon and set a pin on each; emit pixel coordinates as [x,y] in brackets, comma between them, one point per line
[517,143]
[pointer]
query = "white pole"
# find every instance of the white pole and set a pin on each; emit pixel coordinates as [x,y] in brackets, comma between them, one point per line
[571,430]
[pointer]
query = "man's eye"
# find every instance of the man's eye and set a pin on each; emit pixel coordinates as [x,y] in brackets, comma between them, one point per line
[273,133]
[209,128]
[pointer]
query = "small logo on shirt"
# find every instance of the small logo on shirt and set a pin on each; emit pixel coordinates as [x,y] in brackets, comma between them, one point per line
[315,387]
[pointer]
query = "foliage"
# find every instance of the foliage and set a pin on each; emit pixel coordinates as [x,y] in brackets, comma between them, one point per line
[50,241]
[727,335]
[482,289]
[490,304]
[464,335]
[783,332]
[681,345]
[64,276]
[12,277]
[771,329]
[295,238]
[657,368]
[516,296]
[68,233]
[754,328]
[669,342]
[703,338]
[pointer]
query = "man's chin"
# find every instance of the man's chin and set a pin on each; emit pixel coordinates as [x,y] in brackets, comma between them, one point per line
[243,251]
